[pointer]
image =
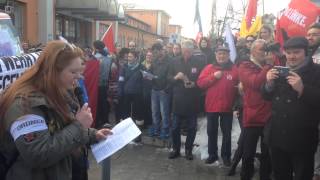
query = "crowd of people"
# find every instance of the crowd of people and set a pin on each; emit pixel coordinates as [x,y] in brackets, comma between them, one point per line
[273,91]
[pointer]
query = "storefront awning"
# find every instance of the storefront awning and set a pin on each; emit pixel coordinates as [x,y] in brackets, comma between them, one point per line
[91,9]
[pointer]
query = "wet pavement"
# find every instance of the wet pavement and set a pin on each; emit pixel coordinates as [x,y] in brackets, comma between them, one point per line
[149,161]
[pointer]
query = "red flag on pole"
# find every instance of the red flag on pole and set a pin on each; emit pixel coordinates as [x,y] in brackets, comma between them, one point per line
[251,12]
[108,39]
[91,81]
[295,19]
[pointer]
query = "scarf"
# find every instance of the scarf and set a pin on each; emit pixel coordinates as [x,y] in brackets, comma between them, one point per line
[133,66]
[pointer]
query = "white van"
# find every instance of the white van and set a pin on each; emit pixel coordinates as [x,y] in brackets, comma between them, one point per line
[9,41]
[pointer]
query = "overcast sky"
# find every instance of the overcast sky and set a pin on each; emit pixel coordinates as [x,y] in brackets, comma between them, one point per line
[182,11]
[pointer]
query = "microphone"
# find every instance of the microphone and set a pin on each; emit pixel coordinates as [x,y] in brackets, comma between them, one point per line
[79,94]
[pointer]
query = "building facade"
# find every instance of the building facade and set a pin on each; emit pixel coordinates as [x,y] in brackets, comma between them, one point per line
[81,22]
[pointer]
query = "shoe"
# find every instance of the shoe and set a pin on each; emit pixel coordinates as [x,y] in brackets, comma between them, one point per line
[174,154]
[189,155]
[211,159]
[227,162]
[138,139]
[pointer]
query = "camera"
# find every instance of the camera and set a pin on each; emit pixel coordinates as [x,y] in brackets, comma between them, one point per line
[272,47]
[283,71]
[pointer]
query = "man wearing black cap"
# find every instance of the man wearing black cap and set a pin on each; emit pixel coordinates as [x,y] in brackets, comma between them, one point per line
[219,80]
[292,131]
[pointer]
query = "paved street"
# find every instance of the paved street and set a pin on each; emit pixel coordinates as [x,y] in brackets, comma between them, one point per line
[150,162]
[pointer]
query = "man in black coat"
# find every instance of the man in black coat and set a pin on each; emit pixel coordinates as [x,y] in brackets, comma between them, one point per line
[292,132]
[183,74]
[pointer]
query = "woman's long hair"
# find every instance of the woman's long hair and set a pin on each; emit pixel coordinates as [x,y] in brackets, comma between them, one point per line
[43,77]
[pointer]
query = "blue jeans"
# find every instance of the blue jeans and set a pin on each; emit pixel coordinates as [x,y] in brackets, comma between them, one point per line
[160,104]
[212,130]
[191,123]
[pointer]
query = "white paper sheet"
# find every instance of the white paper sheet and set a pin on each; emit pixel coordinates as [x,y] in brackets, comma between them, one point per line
[123,133]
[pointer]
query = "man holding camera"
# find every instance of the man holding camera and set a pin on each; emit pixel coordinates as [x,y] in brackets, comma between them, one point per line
[292,133]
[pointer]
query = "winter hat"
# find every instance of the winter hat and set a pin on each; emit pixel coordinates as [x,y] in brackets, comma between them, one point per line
[298,42]
[222,48]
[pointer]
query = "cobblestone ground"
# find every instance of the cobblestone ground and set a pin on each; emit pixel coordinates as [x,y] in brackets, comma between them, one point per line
[149,161]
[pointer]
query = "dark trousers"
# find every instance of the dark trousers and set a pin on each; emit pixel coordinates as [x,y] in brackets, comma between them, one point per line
[103,107]
[147,110]
[80,164]
[119,109]
[133,106]
[191,122]
[239,151]
[250,139]
[292,166]
[212,131]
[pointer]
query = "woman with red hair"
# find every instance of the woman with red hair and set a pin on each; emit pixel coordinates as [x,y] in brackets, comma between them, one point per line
[42,125]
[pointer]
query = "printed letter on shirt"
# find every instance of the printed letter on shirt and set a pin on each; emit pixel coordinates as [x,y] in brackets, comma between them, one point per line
[27,124]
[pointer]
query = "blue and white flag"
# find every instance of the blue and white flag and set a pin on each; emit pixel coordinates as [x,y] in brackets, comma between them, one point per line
[230,40]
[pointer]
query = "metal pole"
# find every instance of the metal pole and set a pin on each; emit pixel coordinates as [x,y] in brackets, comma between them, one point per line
[263,7]
[106,166]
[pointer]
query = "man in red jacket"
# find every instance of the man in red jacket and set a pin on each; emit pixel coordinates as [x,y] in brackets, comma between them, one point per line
[219,80]
[256,111]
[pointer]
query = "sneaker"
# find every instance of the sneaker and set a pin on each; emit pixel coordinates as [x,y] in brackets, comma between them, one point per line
[211,159]
[227,162]
[189,155]
[174,154]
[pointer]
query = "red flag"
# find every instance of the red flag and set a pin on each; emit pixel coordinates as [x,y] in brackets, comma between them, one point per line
[251,12]
[108,40]
[91,81]
[295,20]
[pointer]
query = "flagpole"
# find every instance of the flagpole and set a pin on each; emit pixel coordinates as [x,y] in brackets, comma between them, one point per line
[225,18]
[105,33]
[263,7]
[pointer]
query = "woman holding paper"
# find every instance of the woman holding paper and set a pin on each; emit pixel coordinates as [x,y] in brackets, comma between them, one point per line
[41,123]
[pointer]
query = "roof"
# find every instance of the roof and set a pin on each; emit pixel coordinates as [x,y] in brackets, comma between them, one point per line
[175,25]
[142,22]
[4,16]
[155,10]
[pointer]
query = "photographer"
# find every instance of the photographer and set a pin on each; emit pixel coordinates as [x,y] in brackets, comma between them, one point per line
[273,52]
[292,130]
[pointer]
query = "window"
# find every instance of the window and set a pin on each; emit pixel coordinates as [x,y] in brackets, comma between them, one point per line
[58,26]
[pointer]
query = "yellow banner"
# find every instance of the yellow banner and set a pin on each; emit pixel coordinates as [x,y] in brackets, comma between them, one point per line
[254,29]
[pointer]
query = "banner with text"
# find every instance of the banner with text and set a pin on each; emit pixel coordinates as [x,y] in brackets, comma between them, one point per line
[295,19]
[12,67]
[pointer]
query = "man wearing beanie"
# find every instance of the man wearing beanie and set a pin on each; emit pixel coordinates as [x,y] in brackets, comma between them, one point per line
[292,133]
